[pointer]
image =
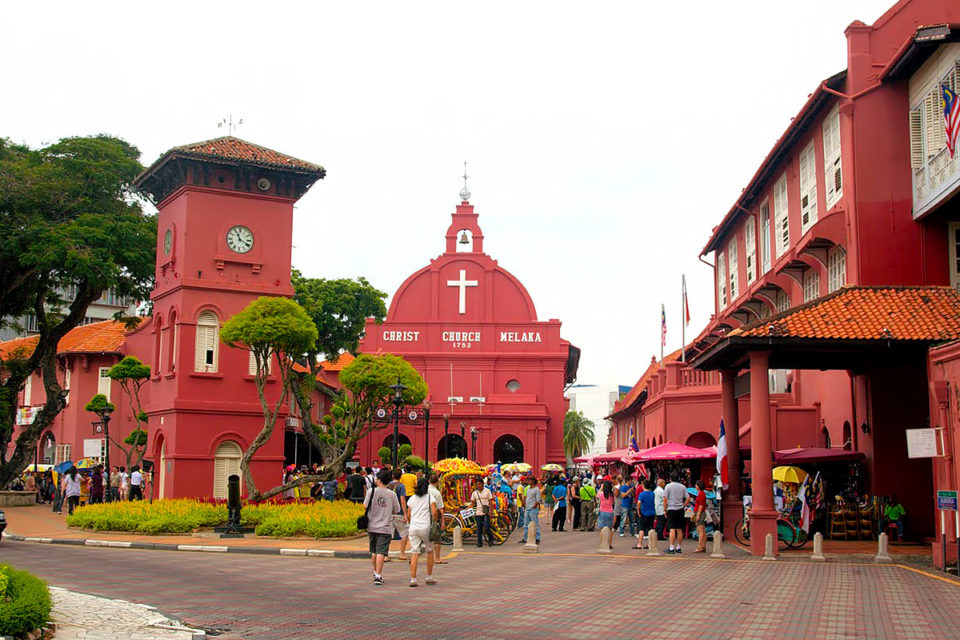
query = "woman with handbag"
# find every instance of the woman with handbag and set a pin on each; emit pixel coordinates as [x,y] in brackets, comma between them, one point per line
[421,511]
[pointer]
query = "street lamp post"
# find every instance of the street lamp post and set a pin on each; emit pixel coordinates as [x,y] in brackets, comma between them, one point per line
[426,425]
[104,415]
[473,438]
[398,390]
[446,432]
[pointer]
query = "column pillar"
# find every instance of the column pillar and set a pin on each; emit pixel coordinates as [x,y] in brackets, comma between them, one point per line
[732,505]
[763,515]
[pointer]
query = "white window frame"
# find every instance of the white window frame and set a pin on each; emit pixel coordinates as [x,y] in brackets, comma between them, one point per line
[750,246]
[62,453]
[207,347]
[808,187]
[733,266]
[781,216]
[766,246]
[721,280]
[66,383]
[811,285]
[836,268]
[782,300]
[252,365]
[103,382]
[832,166]
[27,390]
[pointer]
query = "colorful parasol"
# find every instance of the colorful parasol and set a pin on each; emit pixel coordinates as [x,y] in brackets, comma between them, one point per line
[457,465]
[551,467]
[516,467]
[86,463]
[796,475]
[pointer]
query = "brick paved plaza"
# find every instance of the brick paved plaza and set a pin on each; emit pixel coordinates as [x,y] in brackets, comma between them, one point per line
[567,591]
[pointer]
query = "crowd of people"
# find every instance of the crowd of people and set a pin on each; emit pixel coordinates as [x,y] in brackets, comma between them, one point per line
[70,487]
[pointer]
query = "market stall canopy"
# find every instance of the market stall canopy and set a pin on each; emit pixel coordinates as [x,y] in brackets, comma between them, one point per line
[672,451]
[610,456]
[815,454]
[587,459]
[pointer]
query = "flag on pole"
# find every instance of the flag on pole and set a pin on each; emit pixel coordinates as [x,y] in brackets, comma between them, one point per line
[686,305]
[633,448]
[663,326]
[722,467]
[951,116]
[805,508]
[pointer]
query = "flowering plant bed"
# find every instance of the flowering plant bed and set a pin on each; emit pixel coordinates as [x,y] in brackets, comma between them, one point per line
[273,518]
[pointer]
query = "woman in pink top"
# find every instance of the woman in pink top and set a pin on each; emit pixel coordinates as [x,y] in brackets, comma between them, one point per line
[607,501]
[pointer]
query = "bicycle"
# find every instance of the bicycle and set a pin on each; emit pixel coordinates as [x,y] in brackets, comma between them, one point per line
[787,536]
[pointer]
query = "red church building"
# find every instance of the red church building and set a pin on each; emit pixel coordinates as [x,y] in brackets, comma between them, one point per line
[496,374]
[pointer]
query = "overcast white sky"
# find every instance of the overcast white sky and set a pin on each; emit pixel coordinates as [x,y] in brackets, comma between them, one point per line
[604,140]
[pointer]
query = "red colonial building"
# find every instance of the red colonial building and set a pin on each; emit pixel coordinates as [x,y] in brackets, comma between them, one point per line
[834,274]
[496,374]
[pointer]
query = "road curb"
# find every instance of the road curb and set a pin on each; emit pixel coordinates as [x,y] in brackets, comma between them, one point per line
[192,548]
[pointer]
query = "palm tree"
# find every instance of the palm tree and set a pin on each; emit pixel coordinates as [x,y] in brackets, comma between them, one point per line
[577,435]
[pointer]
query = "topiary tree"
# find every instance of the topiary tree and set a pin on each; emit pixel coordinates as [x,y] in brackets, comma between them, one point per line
[132,374]
[403,451]
[277,330]
[414,461]
[384,454]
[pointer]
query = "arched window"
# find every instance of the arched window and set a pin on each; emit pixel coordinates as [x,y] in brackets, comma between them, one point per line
[226,462]
[508,449]
[208,340]
[162,469]
[158,355]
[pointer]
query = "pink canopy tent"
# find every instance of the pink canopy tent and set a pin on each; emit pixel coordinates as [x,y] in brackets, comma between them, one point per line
[616,455]
[587,459]
[814,454]
[672,451]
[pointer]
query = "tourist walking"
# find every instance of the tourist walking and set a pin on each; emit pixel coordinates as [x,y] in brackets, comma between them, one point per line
[648,513]
[607,503]
[675,498]
[382,505]
[521,502]
[480,499]
[658,503]
[628,512]
[96,485]
[560,505]
[71,490]
[402,531]
[434,490]
[355,486]
[136,484]
[618,504]
[700,517]
[421,510]
[114,484]
[576,503]
[531,506]
[588,505]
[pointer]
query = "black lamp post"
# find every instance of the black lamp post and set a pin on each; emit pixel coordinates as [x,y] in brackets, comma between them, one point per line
[398,390]
[426,425]
[104,415]
[473,438]
[446,432]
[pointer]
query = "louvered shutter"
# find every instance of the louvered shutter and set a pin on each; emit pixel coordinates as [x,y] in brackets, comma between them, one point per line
[27,391]
[219,477]
[916,138]
[833,174]
[252,366]
[207,341]
[765,239]
[808,188]
[781,219]
[750,240]
[103,383]
[721,280]
[733,264]
[936,136]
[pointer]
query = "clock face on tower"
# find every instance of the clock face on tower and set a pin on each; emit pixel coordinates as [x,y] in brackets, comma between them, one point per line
[167,241]
[240,239]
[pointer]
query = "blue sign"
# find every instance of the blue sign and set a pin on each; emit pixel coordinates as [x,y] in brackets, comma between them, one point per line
[947,500]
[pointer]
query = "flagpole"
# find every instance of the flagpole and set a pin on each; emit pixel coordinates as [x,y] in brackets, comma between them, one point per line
[683,319]
[663,325]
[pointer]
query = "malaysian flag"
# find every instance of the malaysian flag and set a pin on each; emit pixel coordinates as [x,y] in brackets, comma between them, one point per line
[663,326]
[951,116]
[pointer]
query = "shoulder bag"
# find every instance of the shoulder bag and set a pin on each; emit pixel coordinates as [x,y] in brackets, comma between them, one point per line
[363,521]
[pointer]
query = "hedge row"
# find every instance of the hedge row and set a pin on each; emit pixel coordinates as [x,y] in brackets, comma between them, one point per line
[24,602]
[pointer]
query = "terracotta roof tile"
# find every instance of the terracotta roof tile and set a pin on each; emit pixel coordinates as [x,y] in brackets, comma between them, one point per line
[231,148]
[868,313]
[98,337]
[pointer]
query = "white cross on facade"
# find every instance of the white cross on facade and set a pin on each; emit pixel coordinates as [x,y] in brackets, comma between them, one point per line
[463,283]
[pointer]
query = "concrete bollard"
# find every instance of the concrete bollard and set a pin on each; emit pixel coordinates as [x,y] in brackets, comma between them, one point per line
[717,546]
[606,535]
[883,554]
[531,546]
[818,548]
[652,541]
[768,548]
[457,539]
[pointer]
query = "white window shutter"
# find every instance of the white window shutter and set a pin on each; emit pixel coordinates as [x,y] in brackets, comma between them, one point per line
[833,173]
[808,188]
[66,384]
[252,366]
[207,343]
[781,217]
[721,280]
[103,383]
[766,248]
[750,242]
[27,390]
[916,138]
[733,264]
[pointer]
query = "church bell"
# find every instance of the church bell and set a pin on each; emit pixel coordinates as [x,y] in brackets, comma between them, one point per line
[464,239]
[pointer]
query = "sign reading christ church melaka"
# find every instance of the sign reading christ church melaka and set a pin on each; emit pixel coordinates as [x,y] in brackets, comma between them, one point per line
[463,339]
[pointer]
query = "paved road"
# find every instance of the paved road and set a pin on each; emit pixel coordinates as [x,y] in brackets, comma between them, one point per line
[507,594]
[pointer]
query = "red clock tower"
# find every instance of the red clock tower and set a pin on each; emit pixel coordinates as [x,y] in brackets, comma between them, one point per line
[224,238]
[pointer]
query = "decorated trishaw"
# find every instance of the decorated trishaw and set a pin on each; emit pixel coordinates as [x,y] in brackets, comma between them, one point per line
[458,479]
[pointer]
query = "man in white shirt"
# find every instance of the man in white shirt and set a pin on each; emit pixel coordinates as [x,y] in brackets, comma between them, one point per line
[675,498]
[481,499]
[136,484]
[661,525]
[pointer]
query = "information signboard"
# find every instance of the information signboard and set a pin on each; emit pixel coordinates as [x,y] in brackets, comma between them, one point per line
[947,500]
[922,443]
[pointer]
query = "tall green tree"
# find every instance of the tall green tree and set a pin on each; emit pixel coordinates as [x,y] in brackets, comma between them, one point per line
[131,374]
[277,331]
[339,309]
[70,221]
[577,435]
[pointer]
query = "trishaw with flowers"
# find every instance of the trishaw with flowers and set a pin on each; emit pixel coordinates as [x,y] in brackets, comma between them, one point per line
[458,479]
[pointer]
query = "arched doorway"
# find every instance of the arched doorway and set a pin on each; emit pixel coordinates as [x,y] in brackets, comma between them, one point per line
[451,445]
[826,437]
[847,436]
[48,448]
[401,440]
[508,449]
[701,440]
[226,462]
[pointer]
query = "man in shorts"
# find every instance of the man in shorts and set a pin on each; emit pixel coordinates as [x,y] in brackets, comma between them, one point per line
[383,504]
[675,498]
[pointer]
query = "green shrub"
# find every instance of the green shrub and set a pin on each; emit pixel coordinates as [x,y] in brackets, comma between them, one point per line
[26,603]
[403,451]
[385,455]
[414,461]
